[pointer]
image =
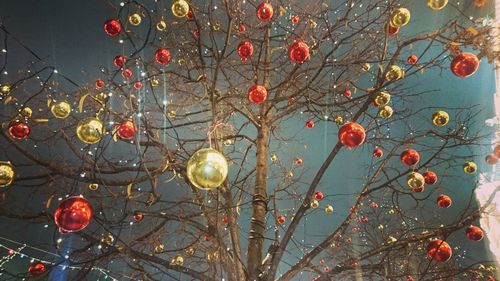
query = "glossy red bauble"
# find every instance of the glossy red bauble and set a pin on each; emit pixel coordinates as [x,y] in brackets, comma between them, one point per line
[73,214]
[347,93]
[352,134]
[295,19]
[127,73]
[464,65]
[162,56]
[37,268]
[439,250]
[119,60]
[19,130]
[412,59]
[126,130]
[491,159]
[298,52]
[318,195]
[377,153]
[190,15]
[444,201]
[430,177]
[410,157]
[138,217]
[99,84]
[298,161]
[264,11]
[310,124]
[242,28]
[137,85]
[112,27]
[225,219]
[281,219]
[257,94]
[474,233]
[245,50]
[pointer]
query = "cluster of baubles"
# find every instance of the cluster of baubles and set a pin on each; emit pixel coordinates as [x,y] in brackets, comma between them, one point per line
[382,100]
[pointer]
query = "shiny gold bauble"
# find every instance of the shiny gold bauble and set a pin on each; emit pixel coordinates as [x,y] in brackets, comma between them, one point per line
[386,111]
[180,8]
[155,82]
[382,98]
[212,255]
[93,186]
[366,67]
[61,109]
[440,118]
[26,112]
[415,180]
[177,260]
[394,73]
[159,248]
[6,173]
[470,167]
[437,4]
[289,174]
[171,114]
[400,17]
[339,119]
[207,168]
[161,25]
[190,251]
[314,204]
[4,89]
[329,209]
[274,157]
[108,239]
[135,19]
[90,130]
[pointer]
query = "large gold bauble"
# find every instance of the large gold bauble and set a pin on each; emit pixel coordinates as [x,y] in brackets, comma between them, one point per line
[26,112]
[382,98]
[61,109]
[4,89]
[6,173]
[161,25]
[180,8]
[207,168]
[400,17]
[394,73]
[90,130]
[386,111]
[415,180]
[437,5]
[470,167]
[440,118]
[177,260]
[135,19]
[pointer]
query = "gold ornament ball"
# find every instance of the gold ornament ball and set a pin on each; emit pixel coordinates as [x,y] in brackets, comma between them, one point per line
[437,5]
[159,248]
[155,82]
[400,17]
[180,8]
[135,19]
[207,168]
[212,255]
[339,120]
[90,130]
[366,67]
[171,114]
[329,209]
[382,98]
[26,112]
[470,167]
[6,173]
[177,260]
[386,111]
[394,73]
[415,180]
[161,25]
[61,109]
[314,204]
[4,89]
[93,186]
[108,239]
[190,251]
[274,157]
[440,118]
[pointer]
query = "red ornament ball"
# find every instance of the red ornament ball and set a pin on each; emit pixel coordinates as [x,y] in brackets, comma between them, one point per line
[119,60]
[310,124]
[439,250]
[347,93]
[73,214]
[491,159]
[138,217]
[19,130]
[391,30]
[295,19]
[298,52]
[242,28]
[126,130]
[257,94]
[162,56]
[318,195]
[190,15]
[377,153]
[281,219]
[112,27]
[430,177]
[474,233]
[225,219]
[264,11]
[127,73]
[36,269]
[464,65]
[298,161]
[444,201]
[352,134]
[99,84]
[412,59]
[138,85]
[245,50]
[410,157]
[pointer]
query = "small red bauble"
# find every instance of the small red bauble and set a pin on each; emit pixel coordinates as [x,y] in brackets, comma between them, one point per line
[257,94]
[37,268]
[444,201]
[491,159]
[474,233]
[352,134]
[245,50]
[464,65]
[410,157]
[112,27]
[138,217]
[391,30]
[318,195]
[190,14]
[298,161]
[73,214]
[242,28]
[347,93]
[99,84]
[126,130]
[295,19]
[127,73]
[264,11]
[373,204]
[298,52]
[439,250]
[310,124]
[119,60]
[162,56]
[412,59]
[225,220]
[377,153]
[138,85]
[430,177]
[281,219]
[19,130]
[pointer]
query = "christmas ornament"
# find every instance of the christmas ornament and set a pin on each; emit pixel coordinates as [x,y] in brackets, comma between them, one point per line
[347,93]
[26,112]
[298,52]
[127,73]
[61,109]
[245,50]
[412,59]
[162,55]
[161,25]
[138,217]
[207,168]
[257,94]
[90,130]
[4,89]
[440,118]
[329,209]
[137,85]
[135,19]
[112,27]
[36,269]
[415,180]
[444,201]
[294,19]
[410,157]
[73,214]
[190,15]
[264,11]
[439,250]
[177,260]
[180,8]
[19,130]
[99,83]
[386,111]
[281,219]
[93,186]
[314,204]
[377,153]
[382,98]
[430,177]
[119,60]
[400,17]
[155,82]
[394,73]
[464,65]
[318,195]
[298,161]
[126,130]
[159,248]
[470,167]
[436,4]
[491,159]
[310,124]
[7,173]
[352,134]
[474,233]
[108,239]
[391,30]
[274,157]
[366,67]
